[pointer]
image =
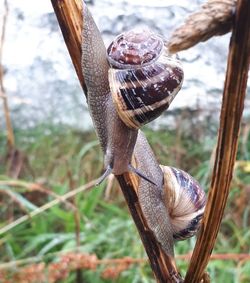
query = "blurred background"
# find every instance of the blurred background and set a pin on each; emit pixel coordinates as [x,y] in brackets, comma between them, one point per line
[54,150]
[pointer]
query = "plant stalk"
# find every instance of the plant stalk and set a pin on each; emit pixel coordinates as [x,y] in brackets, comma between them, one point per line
[69,16]
[231,114]
[10,133]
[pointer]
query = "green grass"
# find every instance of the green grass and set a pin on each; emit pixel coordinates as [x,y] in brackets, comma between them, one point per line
[62,159]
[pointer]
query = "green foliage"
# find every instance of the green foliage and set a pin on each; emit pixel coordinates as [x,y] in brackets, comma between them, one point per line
[61,159]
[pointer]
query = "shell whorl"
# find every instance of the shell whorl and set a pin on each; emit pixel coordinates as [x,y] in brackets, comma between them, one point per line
[144,78]
[185,200]
[134,48]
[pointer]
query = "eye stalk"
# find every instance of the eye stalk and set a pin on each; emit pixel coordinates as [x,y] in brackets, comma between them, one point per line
[132,169]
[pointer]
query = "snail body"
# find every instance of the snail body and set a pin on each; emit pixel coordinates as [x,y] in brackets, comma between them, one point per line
[110,81]
[150,197]
[117,140]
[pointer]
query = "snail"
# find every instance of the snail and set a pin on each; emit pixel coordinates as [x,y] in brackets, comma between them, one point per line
[144,78]
[129,85]
[185,200]
[118,138]
[174,208]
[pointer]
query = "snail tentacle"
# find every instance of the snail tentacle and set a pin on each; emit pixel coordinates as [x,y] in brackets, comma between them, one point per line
[140,174]
[106,173]
[132,169]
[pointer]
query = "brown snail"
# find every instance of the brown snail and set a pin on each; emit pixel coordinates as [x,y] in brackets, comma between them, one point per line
[118,116]
[185,200]
[144,78]
[175,206]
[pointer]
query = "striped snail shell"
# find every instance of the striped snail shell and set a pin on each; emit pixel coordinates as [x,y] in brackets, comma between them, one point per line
[186,201]
[144,78]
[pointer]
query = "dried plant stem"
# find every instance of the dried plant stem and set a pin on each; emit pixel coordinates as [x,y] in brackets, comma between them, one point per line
[185,257]
[36,270]
[3,95]
[10,133]
[14,200]
[32,187]
[79,275]
[231,113]
[47,206]
[69,16]
[163,266]
[214,18]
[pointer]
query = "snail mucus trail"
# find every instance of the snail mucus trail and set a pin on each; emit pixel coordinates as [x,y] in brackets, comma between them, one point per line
[144,79]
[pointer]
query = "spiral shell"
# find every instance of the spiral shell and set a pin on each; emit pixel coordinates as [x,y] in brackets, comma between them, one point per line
[144,78]
[185,200]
